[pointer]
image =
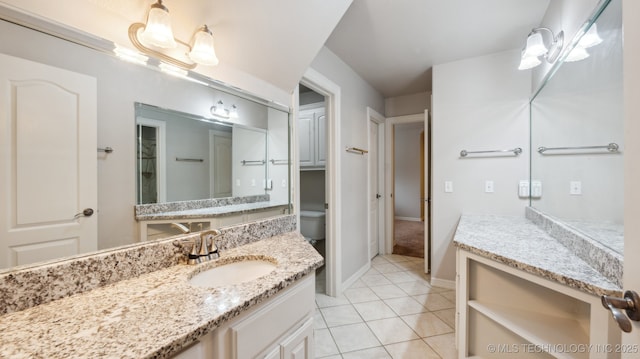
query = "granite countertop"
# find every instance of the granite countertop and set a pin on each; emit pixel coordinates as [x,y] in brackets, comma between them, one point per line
[226,210]
[155,314]
[519,243]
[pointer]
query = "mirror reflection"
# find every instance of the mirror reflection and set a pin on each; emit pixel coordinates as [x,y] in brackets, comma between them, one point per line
[56,77]
[182,157]
[577,135]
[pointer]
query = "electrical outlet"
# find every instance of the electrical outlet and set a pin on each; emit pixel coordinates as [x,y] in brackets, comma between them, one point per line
[523,189]
[284,183]
[575,188]
[536,189]
[488,186]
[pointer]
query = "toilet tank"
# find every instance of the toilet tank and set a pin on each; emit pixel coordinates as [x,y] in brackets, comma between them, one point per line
[312,224]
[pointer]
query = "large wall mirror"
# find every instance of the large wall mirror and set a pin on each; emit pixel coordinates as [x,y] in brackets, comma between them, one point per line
[168,145]
[577,133]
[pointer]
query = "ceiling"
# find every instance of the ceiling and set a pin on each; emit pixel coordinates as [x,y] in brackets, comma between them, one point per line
[393,44]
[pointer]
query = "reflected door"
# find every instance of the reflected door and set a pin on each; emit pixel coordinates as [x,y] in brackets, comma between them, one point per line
[48,161]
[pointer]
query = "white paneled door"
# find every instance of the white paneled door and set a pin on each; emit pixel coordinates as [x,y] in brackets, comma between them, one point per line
[48,162]
[374,191]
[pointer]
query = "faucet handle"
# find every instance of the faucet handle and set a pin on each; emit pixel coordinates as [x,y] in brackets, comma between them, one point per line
[193,257]
[208,239]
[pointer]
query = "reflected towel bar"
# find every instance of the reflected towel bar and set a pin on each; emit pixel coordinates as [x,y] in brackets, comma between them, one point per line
[357,150]
[516,151]
[279,162]
[105,150]
[189,159]
[256,162]
[612,147]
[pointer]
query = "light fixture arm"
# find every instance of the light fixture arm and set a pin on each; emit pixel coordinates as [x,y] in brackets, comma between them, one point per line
[557,42]
[133,36]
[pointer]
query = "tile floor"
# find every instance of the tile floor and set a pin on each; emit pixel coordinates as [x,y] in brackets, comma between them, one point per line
[390,312]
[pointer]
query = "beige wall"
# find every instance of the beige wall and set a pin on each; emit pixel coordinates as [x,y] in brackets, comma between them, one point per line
[407,105]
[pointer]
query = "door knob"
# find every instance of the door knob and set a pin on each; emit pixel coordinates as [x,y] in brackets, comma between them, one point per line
[630,304]
[378,195]
[87,212]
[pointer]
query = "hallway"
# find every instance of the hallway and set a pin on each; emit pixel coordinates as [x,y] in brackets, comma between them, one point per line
[390,312]
[409,238]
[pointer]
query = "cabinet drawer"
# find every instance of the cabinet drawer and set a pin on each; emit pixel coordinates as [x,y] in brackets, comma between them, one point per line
[253,335]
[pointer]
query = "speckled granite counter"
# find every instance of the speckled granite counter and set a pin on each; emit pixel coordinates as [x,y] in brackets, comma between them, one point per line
[155,314]
[519,243]
[211,211]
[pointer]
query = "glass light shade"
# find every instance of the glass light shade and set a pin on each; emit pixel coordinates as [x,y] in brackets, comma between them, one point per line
[528,62]
[202,50]
[591,38]
[578,53]
[535,45]
[158,31]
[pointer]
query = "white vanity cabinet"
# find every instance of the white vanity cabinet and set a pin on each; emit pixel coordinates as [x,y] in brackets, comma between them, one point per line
[505,312]
[281,327]
[312,125]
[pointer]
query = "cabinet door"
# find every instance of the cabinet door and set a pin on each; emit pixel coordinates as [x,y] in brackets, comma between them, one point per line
[321,138]
[300,344]
[306,139]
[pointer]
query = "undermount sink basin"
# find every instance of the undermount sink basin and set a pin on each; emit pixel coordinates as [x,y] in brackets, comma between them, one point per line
[232,273]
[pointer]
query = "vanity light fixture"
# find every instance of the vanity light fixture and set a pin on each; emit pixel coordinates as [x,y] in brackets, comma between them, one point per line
[536,48]
[130,55]
[589,39]
[219,110]
[155,38]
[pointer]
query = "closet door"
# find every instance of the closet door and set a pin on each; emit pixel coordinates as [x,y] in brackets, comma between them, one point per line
[48,162]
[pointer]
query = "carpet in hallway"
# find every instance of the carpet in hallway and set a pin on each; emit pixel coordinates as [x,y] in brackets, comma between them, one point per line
[409,238]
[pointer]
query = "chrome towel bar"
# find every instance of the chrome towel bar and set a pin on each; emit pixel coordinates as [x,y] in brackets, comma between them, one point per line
[189,159]
[516,151]
[612,147]
[255,162]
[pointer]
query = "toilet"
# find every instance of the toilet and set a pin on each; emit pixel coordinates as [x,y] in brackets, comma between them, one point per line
[312,225]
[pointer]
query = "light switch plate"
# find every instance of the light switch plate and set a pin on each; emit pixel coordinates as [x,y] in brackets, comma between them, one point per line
[488,186]
[448,186]
[536,189]
[575,188]
[523,189]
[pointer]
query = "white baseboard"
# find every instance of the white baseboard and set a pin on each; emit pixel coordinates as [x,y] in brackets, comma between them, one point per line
[443,283]
[412,219]
[347,283]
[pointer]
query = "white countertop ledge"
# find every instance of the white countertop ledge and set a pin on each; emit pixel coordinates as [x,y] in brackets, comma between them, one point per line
[519,243]
[153,315]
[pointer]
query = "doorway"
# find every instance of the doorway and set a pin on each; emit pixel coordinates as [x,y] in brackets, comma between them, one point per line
[332,206]
[407,210]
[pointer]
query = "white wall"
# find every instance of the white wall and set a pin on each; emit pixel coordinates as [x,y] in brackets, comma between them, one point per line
[407,105]
[356,96]
[478,104]
[407,170]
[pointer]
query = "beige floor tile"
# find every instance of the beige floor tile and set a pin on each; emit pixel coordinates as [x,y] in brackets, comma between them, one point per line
[388,291]
[359,295]
[427,324]
[379,260]
[371,271]
[448,316]
[399,277]
[340,315]
[374,310]
[450,295]
[372,353]
[354,337]
[434,301]
[375,279]
[387,268]
[358,284]
[392,330]
[415,287]
[324,344]
[411,349]
[323,300]
[405,306]
[444,345]
[395,258]
[318,320]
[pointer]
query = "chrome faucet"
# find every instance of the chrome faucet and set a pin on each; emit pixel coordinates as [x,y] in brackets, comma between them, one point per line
[181,227]
[207,248]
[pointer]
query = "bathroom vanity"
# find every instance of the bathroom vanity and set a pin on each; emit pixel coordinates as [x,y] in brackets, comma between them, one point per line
[522,292]
[148,308]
